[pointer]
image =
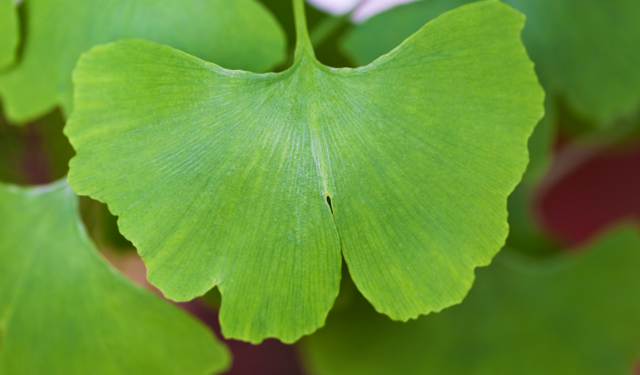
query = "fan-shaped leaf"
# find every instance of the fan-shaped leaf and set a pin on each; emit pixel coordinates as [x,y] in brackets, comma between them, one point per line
[63,311]
[230,178]
[237,34]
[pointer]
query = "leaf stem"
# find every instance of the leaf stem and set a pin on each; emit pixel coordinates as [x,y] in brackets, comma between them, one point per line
[303,42]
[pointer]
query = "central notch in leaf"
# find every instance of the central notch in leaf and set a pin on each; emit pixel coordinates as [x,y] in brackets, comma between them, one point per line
[419,150]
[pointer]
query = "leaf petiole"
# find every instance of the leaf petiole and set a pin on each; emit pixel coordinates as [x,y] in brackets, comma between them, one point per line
[303,42]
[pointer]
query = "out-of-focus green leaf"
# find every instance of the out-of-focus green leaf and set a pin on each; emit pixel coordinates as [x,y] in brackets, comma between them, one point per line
[541,144]
[236,34]
[64,311]
[223,178]
[573,315]
[588,53]
[585,51]
[9,32]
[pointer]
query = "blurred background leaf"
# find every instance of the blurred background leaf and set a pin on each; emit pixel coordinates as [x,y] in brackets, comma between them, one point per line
[64,311]
[236,34]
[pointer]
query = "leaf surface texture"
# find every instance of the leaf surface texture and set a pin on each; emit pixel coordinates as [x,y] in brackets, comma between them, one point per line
[225,177]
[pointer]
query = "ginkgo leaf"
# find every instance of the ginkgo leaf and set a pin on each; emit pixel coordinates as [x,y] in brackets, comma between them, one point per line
[9,33]
[63,311]
[586,52]
[237,34]
[255,183]
[572,315]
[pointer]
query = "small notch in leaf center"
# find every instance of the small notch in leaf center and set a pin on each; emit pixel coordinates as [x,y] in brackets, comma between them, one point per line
[329,203]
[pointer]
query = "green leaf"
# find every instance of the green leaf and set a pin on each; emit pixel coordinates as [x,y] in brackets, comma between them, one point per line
[64,311]
[585,51]
[237,34]
[573,315]
[224,177]
[9,32]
